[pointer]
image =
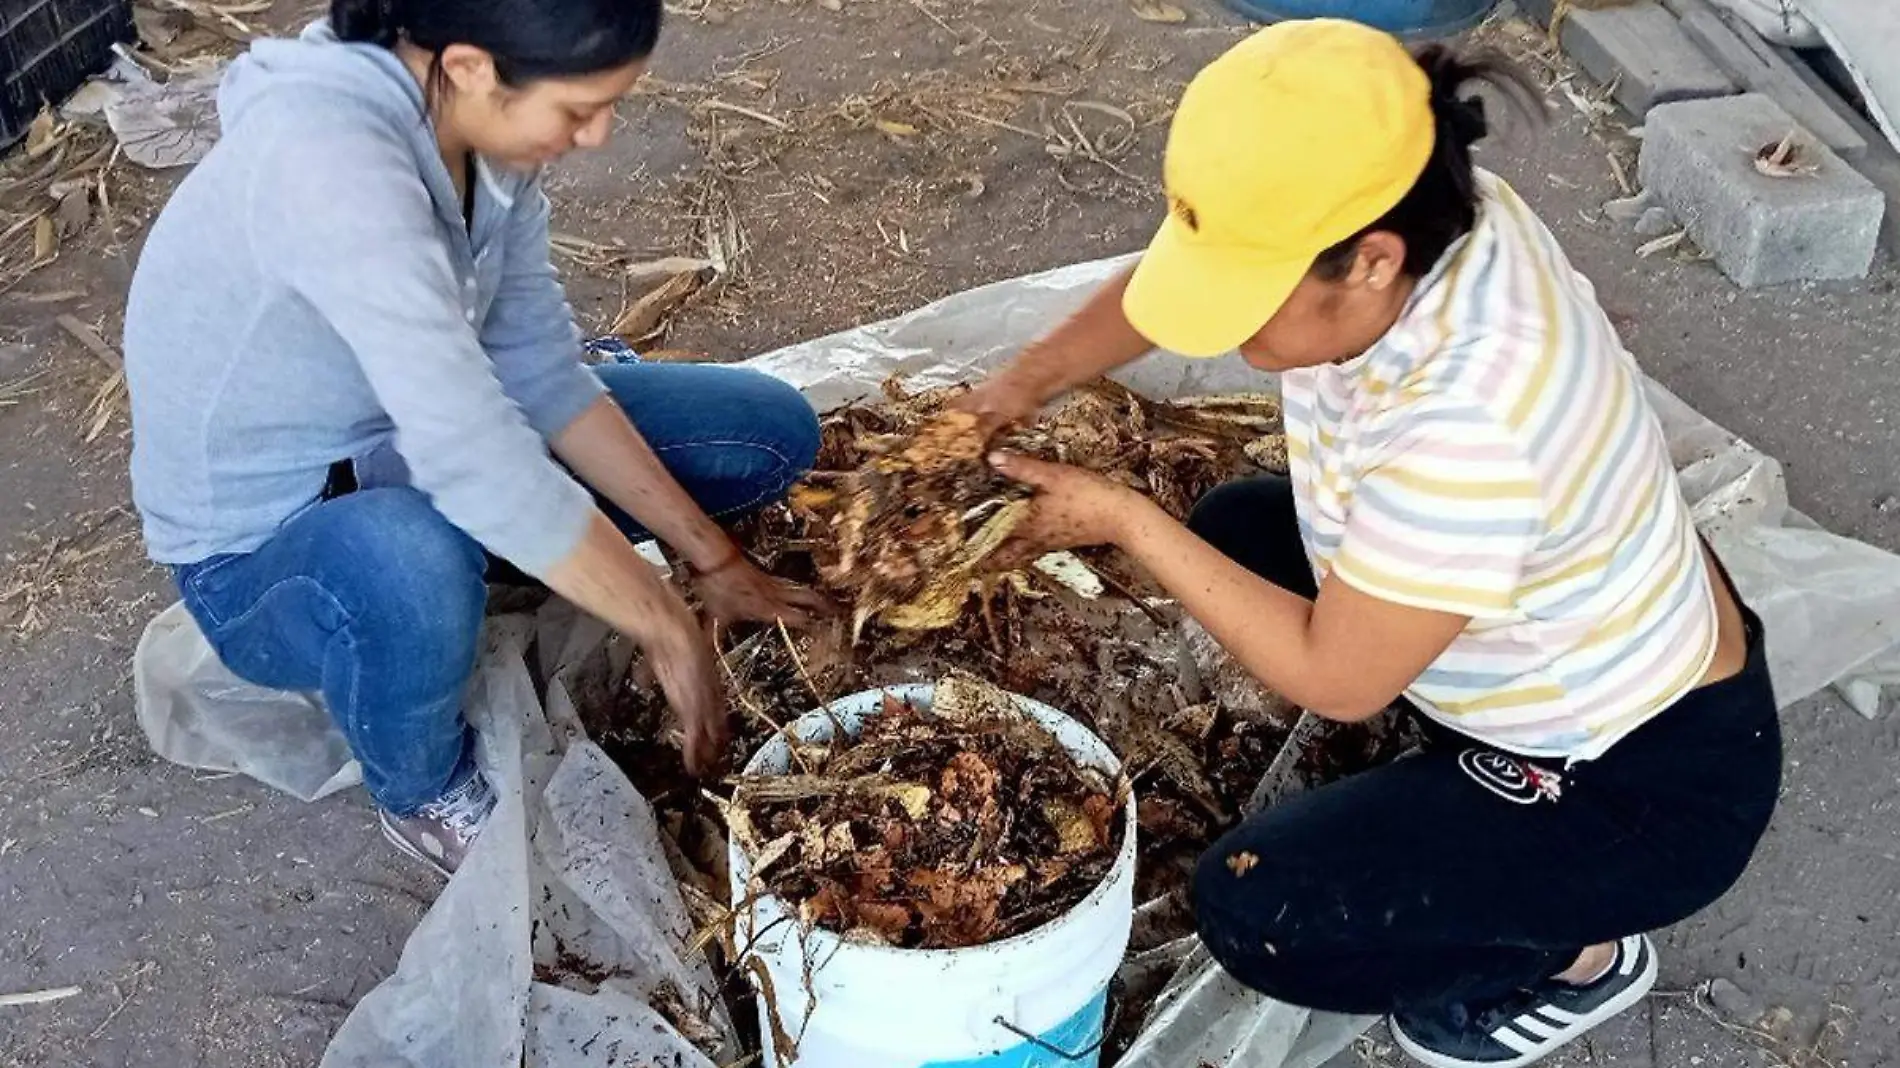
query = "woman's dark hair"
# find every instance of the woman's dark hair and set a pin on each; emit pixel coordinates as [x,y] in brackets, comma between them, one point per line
[1442,205]
[529,39]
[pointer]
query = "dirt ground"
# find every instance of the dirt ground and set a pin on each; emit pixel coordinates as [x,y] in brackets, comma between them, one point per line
[844,165]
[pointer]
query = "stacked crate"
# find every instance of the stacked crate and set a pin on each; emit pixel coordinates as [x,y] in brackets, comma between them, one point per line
[48,48]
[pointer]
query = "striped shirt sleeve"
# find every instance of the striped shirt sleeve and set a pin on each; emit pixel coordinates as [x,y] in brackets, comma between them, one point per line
[1445,513]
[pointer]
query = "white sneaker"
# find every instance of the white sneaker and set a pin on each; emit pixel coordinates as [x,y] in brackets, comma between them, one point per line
[441,832]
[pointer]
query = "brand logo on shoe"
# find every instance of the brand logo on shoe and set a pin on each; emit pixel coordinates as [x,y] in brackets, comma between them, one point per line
[1516,781]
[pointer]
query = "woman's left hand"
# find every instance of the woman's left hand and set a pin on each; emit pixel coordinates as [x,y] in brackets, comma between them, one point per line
[739,591]
[1073,508]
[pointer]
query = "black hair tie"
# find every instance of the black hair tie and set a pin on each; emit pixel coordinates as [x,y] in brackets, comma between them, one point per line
[1463,118]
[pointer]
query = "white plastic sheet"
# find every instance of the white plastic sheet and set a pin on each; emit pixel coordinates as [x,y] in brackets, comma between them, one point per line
[569,883]
[573,869]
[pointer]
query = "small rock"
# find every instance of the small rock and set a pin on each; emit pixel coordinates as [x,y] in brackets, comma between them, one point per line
[1888,505]
[1733,1003]
[1630,209]
[1654,223]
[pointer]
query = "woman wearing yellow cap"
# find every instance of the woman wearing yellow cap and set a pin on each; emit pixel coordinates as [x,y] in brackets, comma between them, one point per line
[1481,518]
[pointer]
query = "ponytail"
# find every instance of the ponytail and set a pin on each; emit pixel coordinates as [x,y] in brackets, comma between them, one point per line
[1442,205]
[365,21]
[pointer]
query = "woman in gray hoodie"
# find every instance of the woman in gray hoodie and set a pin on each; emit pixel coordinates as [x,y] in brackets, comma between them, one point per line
[356,382]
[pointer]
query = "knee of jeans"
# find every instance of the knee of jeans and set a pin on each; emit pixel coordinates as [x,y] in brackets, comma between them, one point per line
[1212,513]
[1243,501]
[782,416]
[1243,905]
[1242,909]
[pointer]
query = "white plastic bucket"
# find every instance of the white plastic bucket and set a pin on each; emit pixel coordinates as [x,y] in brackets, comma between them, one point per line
[1038,1000]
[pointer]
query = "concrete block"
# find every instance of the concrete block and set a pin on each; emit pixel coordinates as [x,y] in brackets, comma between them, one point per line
[1881,166]
[1758,68]
[1644,52]
[1699,159]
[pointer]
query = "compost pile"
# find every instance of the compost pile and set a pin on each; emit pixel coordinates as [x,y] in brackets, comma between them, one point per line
[917,512]
[1082,632]
[944,827]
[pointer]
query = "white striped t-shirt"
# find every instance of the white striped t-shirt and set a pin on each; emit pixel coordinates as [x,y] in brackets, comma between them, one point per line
[1494,456]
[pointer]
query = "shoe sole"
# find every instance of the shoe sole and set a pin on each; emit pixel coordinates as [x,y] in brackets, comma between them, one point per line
[1629,996]
[404,847]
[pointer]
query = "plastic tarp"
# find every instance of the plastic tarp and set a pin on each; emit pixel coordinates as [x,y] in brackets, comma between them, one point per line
[564,940]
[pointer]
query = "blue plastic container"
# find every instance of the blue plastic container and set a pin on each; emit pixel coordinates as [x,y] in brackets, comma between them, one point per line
[1414,20]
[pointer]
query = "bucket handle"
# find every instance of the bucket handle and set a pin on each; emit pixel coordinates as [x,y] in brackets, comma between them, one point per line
[1108,1026]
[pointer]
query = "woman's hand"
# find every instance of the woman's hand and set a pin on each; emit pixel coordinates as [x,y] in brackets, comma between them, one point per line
[737,590]
[1000,401]
[1073,508]
[681,658]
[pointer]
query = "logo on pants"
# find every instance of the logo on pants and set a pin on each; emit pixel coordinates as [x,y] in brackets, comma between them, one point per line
[1517,781]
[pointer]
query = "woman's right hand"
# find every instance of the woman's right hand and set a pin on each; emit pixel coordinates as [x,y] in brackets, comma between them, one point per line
[605,577]
[681,656]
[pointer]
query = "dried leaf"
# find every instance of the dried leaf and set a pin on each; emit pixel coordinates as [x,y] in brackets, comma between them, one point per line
[1075,832]
[1269,453]
[1661,244]
[774,851]
[45,241]
[1158,11]
[43,135]
[913,797]
[887,920]
[810,498]
[645,318]
[652,272]
[1787,158]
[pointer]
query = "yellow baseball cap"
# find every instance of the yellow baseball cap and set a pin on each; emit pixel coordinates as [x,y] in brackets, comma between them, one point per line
[1296,139]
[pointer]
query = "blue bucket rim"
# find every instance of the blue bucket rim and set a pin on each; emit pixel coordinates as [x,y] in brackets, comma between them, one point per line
[1263,11]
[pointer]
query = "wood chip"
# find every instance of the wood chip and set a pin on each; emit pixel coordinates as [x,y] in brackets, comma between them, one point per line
[646,318]
[39,997]
[94,344]
[1158,11]
[45,241]
[757,116]
[1661,244]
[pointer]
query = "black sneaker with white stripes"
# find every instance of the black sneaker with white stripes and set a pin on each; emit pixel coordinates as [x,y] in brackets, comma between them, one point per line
[1531,1025]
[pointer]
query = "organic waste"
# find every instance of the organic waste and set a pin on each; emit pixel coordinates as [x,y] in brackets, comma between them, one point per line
[955,824]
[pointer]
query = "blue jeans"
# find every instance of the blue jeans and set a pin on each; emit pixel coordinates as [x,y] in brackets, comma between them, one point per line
[376,601]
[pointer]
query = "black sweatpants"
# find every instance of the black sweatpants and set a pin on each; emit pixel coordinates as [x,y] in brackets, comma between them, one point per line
[1463,873]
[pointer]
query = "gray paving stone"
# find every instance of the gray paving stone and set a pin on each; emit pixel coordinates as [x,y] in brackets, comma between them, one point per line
[1643,51]
[1698,158]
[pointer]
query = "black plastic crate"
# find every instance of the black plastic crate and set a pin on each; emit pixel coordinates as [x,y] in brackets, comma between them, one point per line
[48,48]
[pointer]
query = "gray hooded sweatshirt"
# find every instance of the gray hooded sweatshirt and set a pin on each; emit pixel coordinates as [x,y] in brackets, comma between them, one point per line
[312,294]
